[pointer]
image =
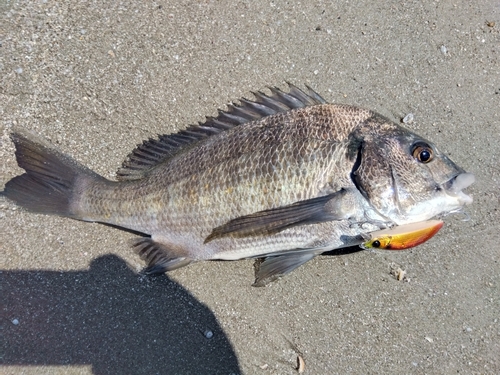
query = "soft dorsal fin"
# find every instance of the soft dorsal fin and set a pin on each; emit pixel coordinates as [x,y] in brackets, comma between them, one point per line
[153,152]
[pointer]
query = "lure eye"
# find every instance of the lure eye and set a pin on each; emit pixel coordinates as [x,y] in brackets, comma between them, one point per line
[376,243]
[423,153]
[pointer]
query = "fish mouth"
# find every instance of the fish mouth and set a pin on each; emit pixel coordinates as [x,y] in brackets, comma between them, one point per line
[455,185]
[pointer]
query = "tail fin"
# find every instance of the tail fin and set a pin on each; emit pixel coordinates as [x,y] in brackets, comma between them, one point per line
[48,186]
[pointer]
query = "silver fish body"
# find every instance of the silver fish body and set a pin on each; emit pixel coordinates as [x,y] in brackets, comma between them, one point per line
[285,177]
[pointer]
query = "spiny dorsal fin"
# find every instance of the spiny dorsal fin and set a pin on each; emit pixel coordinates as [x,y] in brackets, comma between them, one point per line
[153,152]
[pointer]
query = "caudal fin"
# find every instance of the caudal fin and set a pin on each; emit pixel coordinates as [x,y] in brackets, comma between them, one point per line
[50,183]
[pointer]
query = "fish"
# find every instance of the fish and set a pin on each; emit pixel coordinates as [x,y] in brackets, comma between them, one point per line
[403,237]
[280,178]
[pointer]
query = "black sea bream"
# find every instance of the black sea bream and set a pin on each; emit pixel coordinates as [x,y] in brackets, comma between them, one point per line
[284,177]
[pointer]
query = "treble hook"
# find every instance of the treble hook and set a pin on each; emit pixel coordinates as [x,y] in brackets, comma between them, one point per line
[459,211]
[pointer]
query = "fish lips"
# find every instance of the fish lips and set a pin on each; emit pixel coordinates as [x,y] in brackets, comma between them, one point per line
[455,185]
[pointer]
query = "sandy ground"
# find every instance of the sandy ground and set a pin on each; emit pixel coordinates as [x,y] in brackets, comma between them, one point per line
[96,78]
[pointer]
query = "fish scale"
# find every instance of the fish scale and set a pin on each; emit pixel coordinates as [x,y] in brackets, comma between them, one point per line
[284,177]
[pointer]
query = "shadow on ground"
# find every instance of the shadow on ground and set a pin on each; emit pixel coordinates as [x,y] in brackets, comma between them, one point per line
[111,318]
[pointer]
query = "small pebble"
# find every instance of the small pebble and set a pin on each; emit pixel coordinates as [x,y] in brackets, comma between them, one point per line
[208,334]
[301,365]
[400,274]
[444,50]
[15,322]
[408,119]
[19,70]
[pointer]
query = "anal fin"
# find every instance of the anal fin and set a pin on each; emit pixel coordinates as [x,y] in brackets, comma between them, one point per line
[272,268]
[158,257]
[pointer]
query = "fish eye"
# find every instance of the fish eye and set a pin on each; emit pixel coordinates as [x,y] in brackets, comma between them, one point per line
[422,152]
[376,243]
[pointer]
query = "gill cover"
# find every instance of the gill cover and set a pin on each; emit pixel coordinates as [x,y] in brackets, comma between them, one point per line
[392,170]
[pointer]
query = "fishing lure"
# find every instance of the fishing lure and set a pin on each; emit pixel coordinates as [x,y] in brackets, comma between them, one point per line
[402,237]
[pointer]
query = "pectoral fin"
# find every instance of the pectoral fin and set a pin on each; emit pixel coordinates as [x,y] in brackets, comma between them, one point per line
[272,268]
[275,220]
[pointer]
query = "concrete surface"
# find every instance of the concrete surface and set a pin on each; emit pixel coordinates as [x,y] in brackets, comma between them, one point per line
[96,78]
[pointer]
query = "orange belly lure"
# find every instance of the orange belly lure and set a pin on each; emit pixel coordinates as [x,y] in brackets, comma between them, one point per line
[402,237]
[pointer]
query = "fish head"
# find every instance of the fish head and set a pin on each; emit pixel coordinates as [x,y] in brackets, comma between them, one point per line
[405,178]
